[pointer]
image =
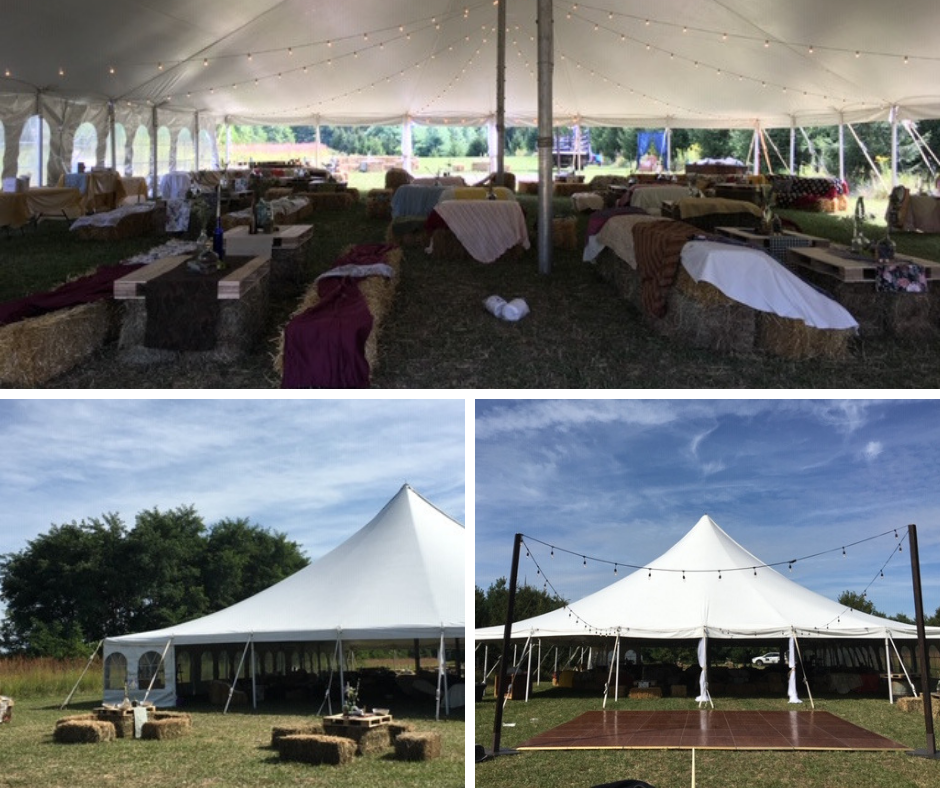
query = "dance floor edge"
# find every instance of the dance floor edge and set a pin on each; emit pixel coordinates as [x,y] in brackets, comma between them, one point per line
[709,730]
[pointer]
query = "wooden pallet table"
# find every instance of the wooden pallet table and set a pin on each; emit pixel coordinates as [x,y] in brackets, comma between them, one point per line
[286,247]
[775,245]
[363,721]
[243,301]
[851,282]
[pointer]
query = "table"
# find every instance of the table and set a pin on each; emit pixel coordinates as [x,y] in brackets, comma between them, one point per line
[242,299]
[56,201]
[775,245]
[370,731]
[486,229]
[286,246]
[122,718]
[851,282]
[364,721]
[14,209]
[98,188]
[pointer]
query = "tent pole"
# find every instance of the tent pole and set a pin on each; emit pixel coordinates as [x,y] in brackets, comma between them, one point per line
[417,658]
[342,682]
[538,670]
[154,121]
[888,671]
[507,635]
[903,668]
[841,149]
[617,676]
[241,662]
[528,673]
[894,174]
[799,655]
[923,662]
[153,678]
[500,90]
[792,144]
[440,676]
[254,683]
[546,185]
[87,665]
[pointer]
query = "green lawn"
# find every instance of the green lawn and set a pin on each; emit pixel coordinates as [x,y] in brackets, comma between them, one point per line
[714,768]
[229,751]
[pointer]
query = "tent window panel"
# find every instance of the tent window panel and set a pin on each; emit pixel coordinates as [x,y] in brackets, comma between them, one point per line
[281,662]
[184,671]
[149,666]
[268,662]
[115,671]
[85,147]
[31,160]
[225,666]
[164,142]
[140,158]
[3,143]
[185,152]
[206,666]
[205,151]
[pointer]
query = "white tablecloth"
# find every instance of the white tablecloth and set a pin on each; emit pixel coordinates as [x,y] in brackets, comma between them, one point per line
[753,277]
[486,228]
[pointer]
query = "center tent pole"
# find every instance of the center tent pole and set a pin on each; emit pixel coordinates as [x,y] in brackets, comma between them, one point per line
[500,90]
[546,186]
[922,659]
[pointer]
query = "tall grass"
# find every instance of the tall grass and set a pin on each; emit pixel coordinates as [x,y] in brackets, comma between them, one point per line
[26,677]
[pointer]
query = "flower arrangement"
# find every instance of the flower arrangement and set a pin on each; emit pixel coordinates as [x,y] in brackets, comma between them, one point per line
[351,700]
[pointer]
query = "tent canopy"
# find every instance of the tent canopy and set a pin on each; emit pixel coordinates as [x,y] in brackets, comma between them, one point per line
[398,578]
[706,585]
[677,63]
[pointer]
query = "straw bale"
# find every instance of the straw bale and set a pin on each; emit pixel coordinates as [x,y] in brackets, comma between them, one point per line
[379,294]
[76,718]
[317,749]
[279,733]
[130,226]
[646,693]
[614,269]
[408,231]
[793,339]
[167,728]
[446,246]
[83,732]
[565,233]
[396,729]
[678,691]
[396,177]
[567,189]
[368,740]
[37,349]
[186,719]
[422,746]
[379,204]
[916,705]
[528,187]
[702,316]
[331,201]
[909,315]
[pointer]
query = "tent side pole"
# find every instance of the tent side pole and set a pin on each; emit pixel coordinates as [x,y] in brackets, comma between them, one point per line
[617,678]
[241,662]
[254,683]
[799,655]
[910,682]
[342,682]
[528,674]
[538,670]
[888,671]
[87,665]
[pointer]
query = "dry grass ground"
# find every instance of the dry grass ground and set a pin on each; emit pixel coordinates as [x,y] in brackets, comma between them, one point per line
[579,335]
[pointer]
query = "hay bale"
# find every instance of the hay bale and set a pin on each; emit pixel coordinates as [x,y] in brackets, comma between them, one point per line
[395,177]
[218,695]
[37,349]
[446,246]
[379,204]
[626,281]
[702,316]
[379,294]
[528,187]
[646,693]
[565,233]
[83,732]
[317,749]
[567,189]
[166,728]
[279,733]
[793,339]
[76,718]
[910,705]
[408,231]
[418,746]
[374,740]
[396,729]
[678,691]
[331,201]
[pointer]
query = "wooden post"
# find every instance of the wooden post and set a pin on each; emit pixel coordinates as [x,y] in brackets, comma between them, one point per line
[502,673]
[931,749]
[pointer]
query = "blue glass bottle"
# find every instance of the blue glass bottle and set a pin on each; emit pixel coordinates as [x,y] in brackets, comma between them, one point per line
[218,240]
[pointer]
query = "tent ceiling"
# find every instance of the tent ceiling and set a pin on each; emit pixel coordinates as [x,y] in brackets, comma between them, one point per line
[688,63]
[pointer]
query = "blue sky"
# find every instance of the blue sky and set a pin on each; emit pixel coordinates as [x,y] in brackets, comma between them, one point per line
[623,480]
[316,470]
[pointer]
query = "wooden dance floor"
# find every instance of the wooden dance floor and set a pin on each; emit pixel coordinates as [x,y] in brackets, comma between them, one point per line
[709,729]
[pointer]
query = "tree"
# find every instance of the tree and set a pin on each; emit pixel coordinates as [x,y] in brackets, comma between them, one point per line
[491,608]
[859,602]
[82,581]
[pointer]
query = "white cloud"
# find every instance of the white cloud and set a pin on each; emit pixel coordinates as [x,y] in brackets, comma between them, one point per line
[872,450]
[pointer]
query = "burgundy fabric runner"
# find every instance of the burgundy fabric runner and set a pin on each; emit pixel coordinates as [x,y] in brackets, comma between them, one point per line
[599,218]
[84,290]
[324,346]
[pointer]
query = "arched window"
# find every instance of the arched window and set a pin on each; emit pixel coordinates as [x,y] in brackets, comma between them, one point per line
[85,147]
[225,666]
[205,151]
[281,663]
[184,671]
[115,671]
[206,666]
[140,161]
[31,161]
[268,662]
[185,152]
[163,150]
[148,666]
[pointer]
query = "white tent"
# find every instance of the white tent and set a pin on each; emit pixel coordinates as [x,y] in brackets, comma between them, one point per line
[399,579]
[706,586]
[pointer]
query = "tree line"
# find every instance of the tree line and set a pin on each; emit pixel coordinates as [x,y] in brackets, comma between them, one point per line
[82,581]
[817,148]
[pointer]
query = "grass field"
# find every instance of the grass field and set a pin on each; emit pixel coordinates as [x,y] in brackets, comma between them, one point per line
[714,768]
[230,751]
[579,335]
